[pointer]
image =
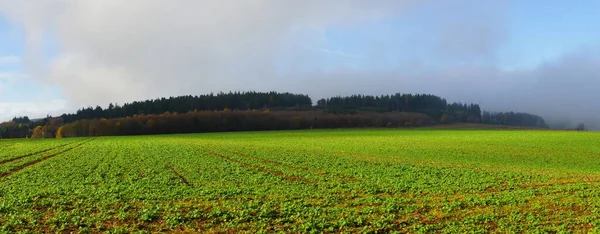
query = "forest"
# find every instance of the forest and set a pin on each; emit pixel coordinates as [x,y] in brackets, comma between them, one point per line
[254,111]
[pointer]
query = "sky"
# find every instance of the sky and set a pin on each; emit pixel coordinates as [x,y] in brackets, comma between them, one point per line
[541,57]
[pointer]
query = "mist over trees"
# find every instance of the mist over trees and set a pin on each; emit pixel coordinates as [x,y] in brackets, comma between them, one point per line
[253,111]
[21,120]
[513,119]
[580,127]
[436,107]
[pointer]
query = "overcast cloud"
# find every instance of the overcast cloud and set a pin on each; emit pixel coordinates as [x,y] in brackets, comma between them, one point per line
[120,51]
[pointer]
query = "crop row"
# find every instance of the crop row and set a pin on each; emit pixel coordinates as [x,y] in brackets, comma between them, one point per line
[307,181]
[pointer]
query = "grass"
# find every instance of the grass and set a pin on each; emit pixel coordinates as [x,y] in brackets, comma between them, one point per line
[417,180]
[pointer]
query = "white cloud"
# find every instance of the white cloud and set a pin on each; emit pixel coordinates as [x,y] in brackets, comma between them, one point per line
[340,53]
[9,78]
[12,76]
[10,59]
[32,109]
[128,50]
[118,51]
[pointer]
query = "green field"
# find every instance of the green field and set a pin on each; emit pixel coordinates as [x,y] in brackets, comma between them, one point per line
[304,181]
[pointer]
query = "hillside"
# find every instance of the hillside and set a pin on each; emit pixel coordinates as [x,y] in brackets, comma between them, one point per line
[255,111]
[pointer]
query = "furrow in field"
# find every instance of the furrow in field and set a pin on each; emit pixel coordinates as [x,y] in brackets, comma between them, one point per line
[95,167]
[181,177]
[106,158]
[341,179]
[550,184]
[35,153]
[320,172]
[262,169]
[32,163]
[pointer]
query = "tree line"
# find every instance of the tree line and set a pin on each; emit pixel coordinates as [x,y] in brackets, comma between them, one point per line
[20,127]
[228,120]
[434,106]
[513,119]
[182,104]
[244,111]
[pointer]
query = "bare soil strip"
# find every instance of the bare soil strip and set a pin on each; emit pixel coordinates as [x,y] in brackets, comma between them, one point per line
[35,153]
[262,169]
[181,177]
[28,164]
